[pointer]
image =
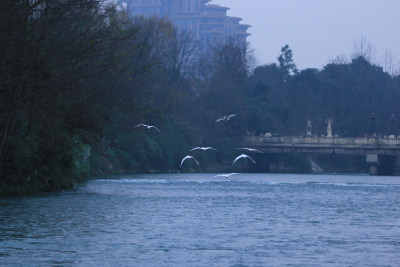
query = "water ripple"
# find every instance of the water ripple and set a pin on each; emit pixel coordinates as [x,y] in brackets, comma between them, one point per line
[198,220]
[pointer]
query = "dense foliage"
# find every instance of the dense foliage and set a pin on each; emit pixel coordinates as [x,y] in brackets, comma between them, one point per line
[77,76]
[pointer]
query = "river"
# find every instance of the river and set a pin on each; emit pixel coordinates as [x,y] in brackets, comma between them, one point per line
[202,220]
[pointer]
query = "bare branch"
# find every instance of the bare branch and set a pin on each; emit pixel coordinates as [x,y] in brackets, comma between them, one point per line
[363,48]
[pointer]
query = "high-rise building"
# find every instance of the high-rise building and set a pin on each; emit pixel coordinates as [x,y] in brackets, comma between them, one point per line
[207,22]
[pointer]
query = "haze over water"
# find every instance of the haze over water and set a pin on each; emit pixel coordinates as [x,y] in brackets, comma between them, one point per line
[201,220]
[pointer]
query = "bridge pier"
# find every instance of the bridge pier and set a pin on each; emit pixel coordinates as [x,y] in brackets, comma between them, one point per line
[381,164]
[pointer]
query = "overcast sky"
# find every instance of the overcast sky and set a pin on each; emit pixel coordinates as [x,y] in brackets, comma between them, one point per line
[318,30]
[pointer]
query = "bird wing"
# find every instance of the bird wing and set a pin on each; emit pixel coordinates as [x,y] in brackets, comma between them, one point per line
[221,119]
[230,116]
[207,148]
[251,159]
[196,161]
[238,157]
[141,125]
[185,158]
[195,148]
[154,128]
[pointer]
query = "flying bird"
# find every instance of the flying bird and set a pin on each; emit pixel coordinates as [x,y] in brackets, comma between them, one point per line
[243,156]
[189,157]
[203,148]
[147,126]
[225,118]
[249,149]
[226,175]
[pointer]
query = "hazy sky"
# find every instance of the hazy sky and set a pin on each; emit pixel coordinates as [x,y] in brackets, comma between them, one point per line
[318,30]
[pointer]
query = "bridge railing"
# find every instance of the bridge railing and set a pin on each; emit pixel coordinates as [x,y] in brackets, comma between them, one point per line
[322,140]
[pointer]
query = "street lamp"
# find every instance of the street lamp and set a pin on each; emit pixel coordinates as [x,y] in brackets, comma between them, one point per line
[392,118]
[373,118]
[269,119]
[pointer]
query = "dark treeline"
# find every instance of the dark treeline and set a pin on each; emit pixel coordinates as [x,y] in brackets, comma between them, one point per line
[77,76]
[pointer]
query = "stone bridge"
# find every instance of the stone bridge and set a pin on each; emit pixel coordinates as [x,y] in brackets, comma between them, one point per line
[380,153]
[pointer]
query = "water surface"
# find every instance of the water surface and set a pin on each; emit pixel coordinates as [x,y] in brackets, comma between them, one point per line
[202,220]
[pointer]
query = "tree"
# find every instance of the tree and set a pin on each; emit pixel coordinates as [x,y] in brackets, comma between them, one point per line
[56,64]
[286,63]
[363,48]
[389,63]
[180,54]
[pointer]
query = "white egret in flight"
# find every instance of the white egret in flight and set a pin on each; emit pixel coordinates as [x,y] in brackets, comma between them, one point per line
[249,149]
[203,148]
[189,157]
[147,126]
[243,156]
[226,175]
[225,118]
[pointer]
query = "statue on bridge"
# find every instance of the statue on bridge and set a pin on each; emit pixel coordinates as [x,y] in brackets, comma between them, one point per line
[329,121]
[309,128]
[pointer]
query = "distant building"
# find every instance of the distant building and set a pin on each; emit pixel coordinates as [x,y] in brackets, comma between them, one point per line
[207,22]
